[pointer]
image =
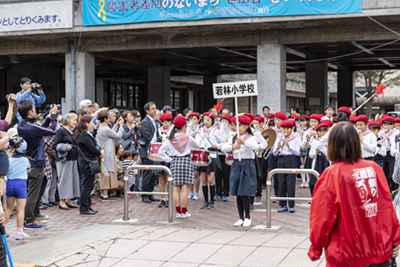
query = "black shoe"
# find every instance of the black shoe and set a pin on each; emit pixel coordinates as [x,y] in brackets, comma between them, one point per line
[263,186]
[107,198]
[49,205]
[166,204]
[96,211]
[88,212]
[162,204]
[146,200]
[210,206]
[62,208]
[43,206]
[258,199]
[71,206]
[205,205]
[54,203]
[152,198]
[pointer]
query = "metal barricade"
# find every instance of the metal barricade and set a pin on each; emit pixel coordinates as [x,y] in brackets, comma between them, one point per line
[269,184]
[148,168]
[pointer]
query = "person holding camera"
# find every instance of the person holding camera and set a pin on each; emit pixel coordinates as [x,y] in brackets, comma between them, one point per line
[33,135]
[33,92]
[131,130]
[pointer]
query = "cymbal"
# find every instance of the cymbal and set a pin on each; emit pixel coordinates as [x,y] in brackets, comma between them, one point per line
[269,136]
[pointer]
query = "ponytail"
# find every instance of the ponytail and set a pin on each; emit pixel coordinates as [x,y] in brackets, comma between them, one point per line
[172,133]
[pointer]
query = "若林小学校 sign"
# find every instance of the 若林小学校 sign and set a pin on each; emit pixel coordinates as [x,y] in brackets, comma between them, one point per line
[107,12]
[36,16]
[235,89]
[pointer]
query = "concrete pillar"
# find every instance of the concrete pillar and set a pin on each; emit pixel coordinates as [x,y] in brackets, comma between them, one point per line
[84,78]
[190,99]
[208,96]
[316,86]
[346,88]
[271,77]
[158,85]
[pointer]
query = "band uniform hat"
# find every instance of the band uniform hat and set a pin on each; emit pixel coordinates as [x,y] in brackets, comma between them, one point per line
[208,114]
[179,121]
[280,115]
[287,123]
[345,109]
[165,117]
[363,118]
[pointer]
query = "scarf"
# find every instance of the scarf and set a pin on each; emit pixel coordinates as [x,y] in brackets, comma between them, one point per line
[180,142]
[383,134]
[277,130]
[366,132]
[245,137]
[381,141]
[163,131]
[292,136]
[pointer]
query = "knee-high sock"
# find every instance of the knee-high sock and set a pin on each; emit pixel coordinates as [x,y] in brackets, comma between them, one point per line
[212,193]
[240,207]
[205,192]
[246,206]
[252,200]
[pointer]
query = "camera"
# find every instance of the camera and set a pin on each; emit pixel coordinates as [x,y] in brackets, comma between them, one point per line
[7,96]
[50,106]
[36,86]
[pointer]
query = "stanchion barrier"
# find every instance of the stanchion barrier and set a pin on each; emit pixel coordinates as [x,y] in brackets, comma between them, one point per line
[148,168]
[269,184]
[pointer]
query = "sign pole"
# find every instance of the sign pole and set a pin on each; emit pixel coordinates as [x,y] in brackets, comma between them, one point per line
[237,124]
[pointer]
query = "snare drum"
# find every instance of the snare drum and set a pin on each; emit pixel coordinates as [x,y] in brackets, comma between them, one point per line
[153,152]
[229,159]
[200,157]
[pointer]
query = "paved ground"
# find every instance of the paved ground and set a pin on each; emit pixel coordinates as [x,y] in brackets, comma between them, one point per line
[69,232]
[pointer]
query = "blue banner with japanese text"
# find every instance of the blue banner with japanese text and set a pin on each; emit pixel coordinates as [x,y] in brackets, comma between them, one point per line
[106,12]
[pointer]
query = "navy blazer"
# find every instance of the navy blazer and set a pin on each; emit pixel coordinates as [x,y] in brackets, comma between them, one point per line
[147,130]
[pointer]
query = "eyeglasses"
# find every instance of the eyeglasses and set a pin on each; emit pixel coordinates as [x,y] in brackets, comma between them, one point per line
[137,116]
[90,106]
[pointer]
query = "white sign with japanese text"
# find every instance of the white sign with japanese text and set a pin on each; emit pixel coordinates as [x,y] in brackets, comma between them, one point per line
[36,16]
[235,89]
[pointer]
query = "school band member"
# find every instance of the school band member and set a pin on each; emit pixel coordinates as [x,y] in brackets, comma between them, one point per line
[367,138]
[309,139]
[397,124]
[194,117]
[286,147]
[160,136]
[380,150]
[395,148]
[222,176]
[179,145]
[279,117]
[335,120]
[212,140]
[243,182]
[320,163]
[388,134]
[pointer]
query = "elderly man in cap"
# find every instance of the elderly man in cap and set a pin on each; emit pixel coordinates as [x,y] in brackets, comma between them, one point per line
[27,93]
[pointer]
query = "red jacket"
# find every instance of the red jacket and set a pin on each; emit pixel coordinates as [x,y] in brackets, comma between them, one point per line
[352,216]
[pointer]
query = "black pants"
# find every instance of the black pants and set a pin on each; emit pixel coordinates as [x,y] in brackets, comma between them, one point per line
[287,182]
[3,253]
[87,186]
[261,171]
[222,178]
[35,180]
[388,166]
[148,179]
[274,161]
[42,189]
[383,264]
[265,166]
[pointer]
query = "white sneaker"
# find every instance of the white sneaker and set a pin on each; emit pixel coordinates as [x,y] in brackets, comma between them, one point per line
[238,223]
[178,215]
[21,236]
[185,215]
[247,222]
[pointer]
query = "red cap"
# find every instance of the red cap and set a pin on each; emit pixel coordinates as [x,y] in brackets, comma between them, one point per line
[287,123]
[194,114]
[363,118]
[385,115]
[315,117]
[353,118]
[374,123]
[305,116]
[397,120]
[321,125]
[259,119]
[272,119]
[251,116]
[233,120]
[245,119]
[280,115]
[379,121]
[226,117]
[179,121]
[165,116]
[387,119]
[271,115]
[345,109]
[295,117]
[335,118]
[208,114]
[327,122]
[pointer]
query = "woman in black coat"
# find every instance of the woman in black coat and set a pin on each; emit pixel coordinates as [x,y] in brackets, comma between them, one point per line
[88,146]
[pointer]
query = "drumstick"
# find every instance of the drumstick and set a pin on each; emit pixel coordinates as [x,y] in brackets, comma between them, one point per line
[208,140]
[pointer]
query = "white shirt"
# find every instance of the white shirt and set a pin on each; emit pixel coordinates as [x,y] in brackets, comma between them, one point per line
[313,152]
[368,146]
[246,150]
[380,150]
[162,135]
[167,146]
[394,149]
[293,149]
[262,143]
[323,142]
[214,136]
[326,118]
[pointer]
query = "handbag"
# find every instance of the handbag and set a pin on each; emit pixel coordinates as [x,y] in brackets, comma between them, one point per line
[94,164]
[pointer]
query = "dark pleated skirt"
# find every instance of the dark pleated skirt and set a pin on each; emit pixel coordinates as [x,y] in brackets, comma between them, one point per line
[243,179]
